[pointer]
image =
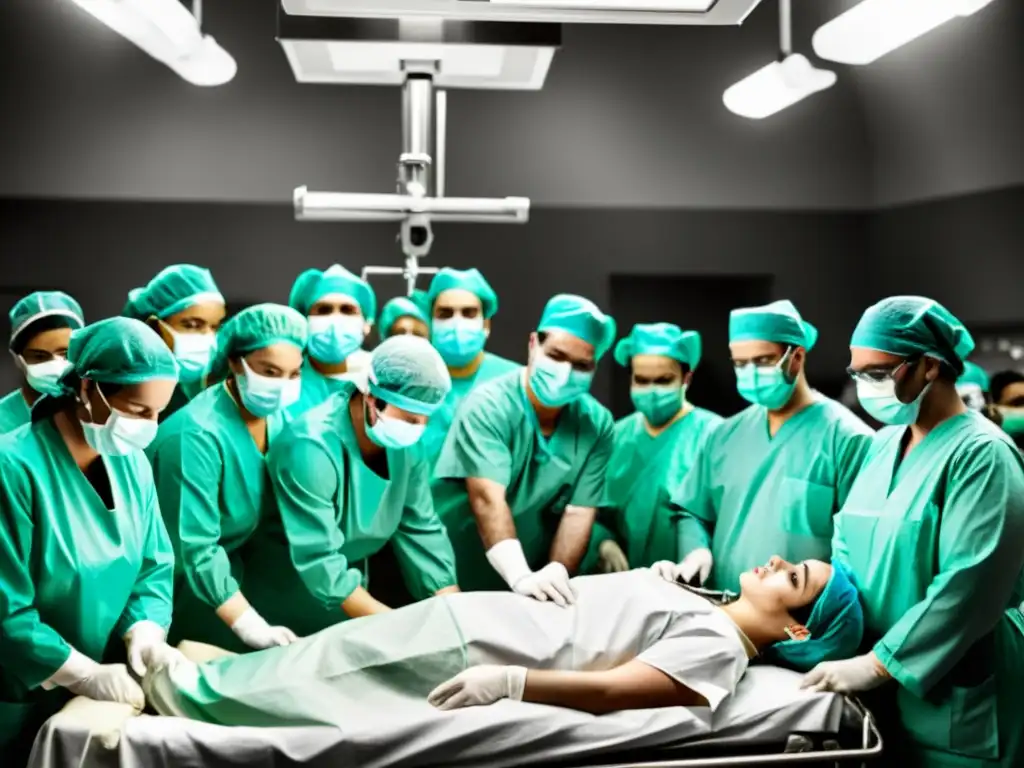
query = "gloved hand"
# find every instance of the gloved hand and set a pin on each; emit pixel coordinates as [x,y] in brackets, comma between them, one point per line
[478,686]
[611,558]
[146,645]
[102,682]
[549,583]
[253,630]
[698,563]
[861,673]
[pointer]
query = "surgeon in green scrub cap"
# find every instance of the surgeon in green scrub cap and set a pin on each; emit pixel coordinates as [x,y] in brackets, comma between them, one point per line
[182,304]
[654,449]
[41,326]
[933,533]
[406,314]
[771,477]
[209,461]
[523,468]
[340,308]
[85,560]
[462,304]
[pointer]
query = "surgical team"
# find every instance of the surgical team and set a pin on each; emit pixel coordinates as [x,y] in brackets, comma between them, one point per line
[167,475]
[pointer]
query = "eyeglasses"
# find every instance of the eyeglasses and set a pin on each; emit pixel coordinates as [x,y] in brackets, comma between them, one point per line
[878,374]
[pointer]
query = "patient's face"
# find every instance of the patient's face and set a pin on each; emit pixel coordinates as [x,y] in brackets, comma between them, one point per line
[780,587]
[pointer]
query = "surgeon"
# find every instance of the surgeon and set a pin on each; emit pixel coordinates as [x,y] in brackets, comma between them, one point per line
[1008,398]
[523,468]
[462,304]
[182,304]
[771,477]
[340,308]
[933,532]
[406,314]
[84,555]
[654,449]
[348,478]
[41,325]
[209,462]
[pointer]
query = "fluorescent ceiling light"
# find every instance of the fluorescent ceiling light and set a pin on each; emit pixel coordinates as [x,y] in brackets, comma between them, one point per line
[655,6]
[874,28]
[167,31]
[777,86]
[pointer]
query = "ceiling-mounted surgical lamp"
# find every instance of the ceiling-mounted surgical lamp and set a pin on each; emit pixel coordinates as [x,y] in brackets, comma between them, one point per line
[782,83]
[873,28]
[167,31]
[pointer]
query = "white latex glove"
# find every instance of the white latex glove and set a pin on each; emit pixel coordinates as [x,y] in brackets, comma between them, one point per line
[478,686]
[549,583]
[253,630]
[698,563]
[102,682]
[611,558]
[861,673]
[146,645]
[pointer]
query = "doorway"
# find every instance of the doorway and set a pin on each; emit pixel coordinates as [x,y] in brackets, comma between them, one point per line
[700,303]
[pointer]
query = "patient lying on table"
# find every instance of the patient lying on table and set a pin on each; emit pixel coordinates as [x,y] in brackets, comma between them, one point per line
[631,641]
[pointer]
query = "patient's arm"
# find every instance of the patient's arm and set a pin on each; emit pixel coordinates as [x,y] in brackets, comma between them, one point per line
[362,603]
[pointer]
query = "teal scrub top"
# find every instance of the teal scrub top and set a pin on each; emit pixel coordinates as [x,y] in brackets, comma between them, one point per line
[333,512]
[14,412]
[440,422]
[935,540]
[316,388]
[751,495]
[213,488]
[184,393]
[496,436]
[74,573]
[643,473]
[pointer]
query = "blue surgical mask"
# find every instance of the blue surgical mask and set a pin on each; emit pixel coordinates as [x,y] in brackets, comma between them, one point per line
[120,434]
[44,378]
[879,399]
[765,385]
[193,351]
[332,338]
[393,433]
[264,395]
[658,404]
[556,383]
[458,340]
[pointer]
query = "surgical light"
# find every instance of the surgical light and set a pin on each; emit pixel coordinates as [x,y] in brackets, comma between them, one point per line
[167,31]
[873,28]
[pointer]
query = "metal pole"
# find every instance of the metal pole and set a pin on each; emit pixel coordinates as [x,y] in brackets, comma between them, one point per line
[440,137]
[785,28]
[197,11]
[417,129]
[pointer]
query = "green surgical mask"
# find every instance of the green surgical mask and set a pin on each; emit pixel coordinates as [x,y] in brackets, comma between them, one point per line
[658,404]
[1013,421]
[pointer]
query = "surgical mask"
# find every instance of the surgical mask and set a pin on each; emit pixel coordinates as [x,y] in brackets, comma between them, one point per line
[332,338]
[120,434]
[658,404]
[879,399]
[458,340]
[556,383]
[388,432]
[193,351]
[264,395]
[44,378]
[765,385]
[1013,421]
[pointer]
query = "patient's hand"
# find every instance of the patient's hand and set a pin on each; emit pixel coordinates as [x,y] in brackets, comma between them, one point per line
[478,686]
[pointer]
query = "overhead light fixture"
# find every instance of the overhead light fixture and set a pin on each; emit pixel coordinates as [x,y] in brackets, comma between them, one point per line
[780,84]
[167,31]
[873,28]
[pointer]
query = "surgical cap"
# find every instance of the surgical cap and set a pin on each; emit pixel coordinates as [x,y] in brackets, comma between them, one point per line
[836,625]
[42,304]
[910,326]
[663,339]
[404,306]
[257,327]
[313,284]
[173,290]
[118,350]
[467,280]
[778,322]
[407,372]
[581,318]
[974,374]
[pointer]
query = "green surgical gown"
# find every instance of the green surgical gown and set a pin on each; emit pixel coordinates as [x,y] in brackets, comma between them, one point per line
[495,436]
[936,542]
[440,422]
[751,495]
[643,473]
[184,393]
[316,388]
[73,573]
[332,513]
[213,487]
[14,412]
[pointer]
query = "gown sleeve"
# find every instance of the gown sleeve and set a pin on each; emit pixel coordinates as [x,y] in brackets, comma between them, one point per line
[151,596]
[979,560]
[693,506]
[421,542]
[305,485]
[852,444]
[590,486]
[706,662]
[478,442]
